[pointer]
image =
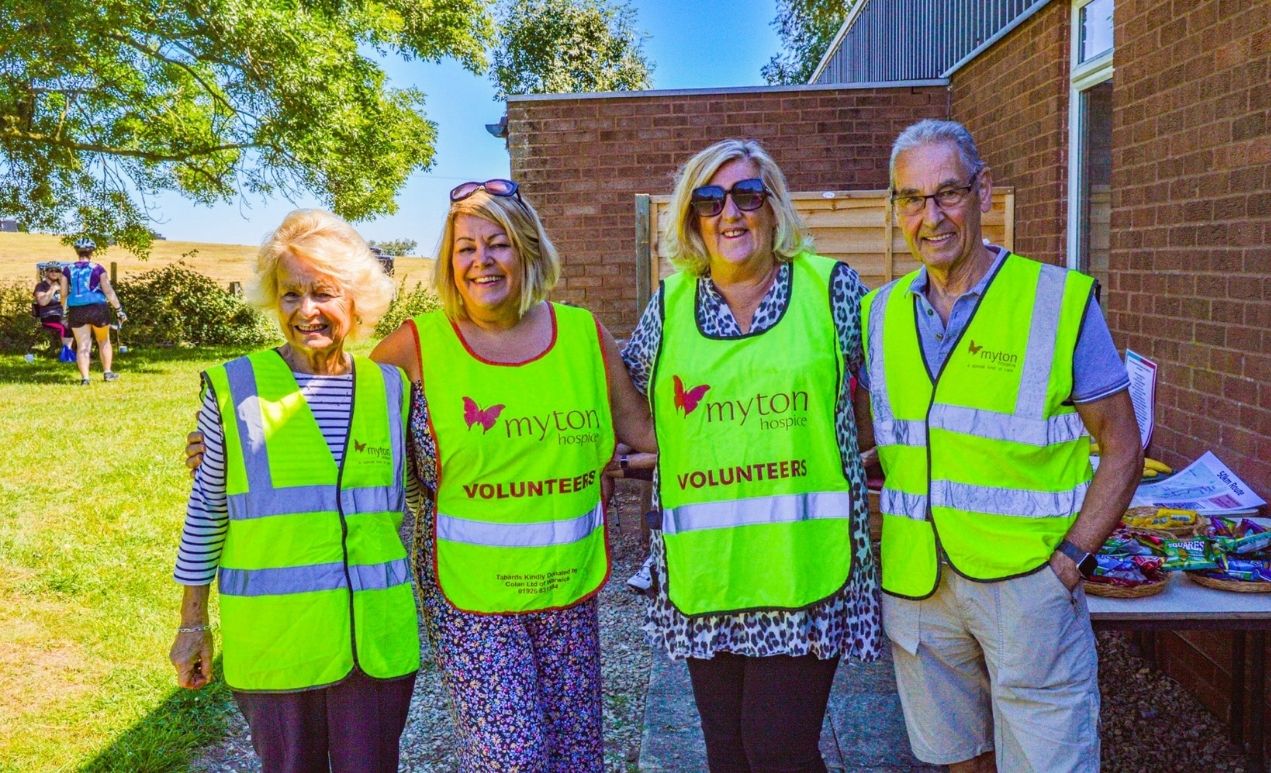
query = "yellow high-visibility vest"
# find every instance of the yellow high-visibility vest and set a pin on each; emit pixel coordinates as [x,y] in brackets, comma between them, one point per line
[313,578]
[520,523]
[756,508]
[984,460]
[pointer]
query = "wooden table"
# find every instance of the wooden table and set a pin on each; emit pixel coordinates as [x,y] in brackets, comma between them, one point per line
[1184,605]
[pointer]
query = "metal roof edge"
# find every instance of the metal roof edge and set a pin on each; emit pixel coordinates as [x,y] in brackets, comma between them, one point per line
[1003,32]
[725,90]
[837,39]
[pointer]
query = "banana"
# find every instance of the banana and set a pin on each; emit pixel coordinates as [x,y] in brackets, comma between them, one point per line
[1155,464]
[1149,473]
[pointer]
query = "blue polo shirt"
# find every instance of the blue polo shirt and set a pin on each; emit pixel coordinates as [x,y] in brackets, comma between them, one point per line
[1097,369]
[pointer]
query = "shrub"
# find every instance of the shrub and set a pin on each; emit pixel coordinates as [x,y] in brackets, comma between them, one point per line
[19,331]
[176,305]
[408,303]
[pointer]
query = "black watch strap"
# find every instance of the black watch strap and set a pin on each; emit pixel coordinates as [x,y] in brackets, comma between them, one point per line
[1085,561]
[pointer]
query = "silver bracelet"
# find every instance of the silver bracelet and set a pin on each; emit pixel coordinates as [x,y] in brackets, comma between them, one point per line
[200,628]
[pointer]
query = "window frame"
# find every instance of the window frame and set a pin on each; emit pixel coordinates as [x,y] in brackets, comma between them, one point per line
[1082,76]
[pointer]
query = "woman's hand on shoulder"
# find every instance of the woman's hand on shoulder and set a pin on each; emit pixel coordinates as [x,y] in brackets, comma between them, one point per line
[194,448]
[401,349]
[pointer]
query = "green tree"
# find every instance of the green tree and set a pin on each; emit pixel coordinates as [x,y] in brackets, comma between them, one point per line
[564,46]
[105,103]
[806,28]
[396,247]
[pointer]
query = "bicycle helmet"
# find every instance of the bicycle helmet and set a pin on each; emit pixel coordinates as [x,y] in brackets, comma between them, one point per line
[84,244]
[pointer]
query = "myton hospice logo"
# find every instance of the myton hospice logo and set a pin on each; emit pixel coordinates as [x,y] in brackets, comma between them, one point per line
[687,400]
[380,452]
[474,414]
[987,358]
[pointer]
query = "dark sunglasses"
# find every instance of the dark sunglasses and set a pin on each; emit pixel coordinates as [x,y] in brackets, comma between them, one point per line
[495,187]
[748,195]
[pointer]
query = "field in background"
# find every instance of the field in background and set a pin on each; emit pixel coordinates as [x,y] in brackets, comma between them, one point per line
[224,263]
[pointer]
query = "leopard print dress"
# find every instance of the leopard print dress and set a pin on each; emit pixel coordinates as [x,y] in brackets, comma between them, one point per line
[848,623]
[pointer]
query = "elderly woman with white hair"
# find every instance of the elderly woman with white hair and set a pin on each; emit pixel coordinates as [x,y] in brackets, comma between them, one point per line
[296,510]
[763,569]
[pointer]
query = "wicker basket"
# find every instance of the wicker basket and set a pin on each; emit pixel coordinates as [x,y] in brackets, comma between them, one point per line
[1124,591]
[1238,586]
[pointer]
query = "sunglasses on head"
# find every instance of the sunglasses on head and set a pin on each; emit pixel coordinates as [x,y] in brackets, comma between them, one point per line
[748,195]
[495,187]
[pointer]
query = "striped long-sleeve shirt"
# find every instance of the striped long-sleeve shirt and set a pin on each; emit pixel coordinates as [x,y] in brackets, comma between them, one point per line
[330,399]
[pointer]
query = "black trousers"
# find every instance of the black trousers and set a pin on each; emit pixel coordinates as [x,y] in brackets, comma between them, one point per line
[762,714]
[355,725]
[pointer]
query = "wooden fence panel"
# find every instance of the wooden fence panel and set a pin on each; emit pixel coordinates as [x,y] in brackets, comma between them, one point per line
[852,226]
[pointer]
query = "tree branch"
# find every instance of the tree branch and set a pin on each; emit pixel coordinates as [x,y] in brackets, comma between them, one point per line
[86,147]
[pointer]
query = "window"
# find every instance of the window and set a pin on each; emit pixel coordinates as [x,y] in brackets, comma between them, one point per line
[1090,138]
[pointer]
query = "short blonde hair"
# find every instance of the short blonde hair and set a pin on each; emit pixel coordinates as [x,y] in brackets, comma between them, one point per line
[330,246]
[682,241]
[540,263]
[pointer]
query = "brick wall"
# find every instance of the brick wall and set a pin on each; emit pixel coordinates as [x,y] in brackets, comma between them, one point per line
[582,160]
[1191,247]
[1014,100]
[1191,222]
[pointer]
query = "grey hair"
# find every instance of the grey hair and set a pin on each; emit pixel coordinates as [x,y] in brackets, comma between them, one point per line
[932,130]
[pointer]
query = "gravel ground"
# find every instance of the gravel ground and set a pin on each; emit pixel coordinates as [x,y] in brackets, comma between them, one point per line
[1149,722]
[428,743]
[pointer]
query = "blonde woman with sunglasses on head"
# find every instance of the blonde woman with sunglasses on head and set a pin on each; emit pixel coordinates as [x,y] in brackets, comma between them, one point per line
[763,570]
[513,418]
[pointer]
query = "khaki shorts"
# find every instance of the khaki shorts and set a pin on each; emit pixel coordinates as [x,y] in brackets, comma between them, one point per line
[1020,650]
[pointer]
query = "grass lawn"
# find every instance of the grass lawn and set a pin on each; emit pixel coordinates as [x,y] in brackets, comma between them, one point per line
[92,497]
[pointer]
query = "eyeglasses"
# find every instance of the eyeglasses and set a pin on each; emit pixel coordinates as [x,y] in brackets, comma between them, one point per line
[748,195]
[495,187]
[945,198]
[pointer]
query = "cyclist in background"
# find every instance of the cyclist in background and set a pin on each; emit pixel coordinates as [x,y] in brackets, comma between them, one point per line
[85,292]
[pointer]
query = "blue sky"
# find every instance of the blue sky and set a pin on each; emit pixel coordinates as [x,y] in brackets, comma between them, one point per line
[691,44]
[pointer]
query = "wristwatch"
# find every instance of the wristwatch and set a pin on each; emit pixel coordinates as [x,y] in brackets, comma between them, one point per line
[1085,561]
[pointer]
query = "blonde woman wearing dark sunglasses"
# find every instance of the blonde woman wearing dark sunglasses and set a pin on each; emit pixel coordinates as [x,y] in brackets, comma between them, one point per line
[763,568]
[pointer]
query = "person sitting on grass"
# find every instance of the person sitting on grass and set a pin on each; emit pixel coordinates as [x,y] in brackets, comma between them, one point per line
[46,306]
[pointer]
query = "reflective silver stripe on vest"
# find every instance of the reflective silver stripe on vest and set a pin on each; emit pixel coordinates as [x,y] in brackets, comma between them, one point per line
[314,499]
[1030,402]
[397,436]
[786,508]
[251,428]
[1021,503]
[520,535]
[316,577]
[1000,426]
[900,433]
[880,402]
[893,502]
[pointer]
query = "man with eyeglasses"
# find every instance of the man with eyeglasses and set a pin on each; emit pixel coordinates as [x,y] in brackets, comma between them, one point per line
[985,371]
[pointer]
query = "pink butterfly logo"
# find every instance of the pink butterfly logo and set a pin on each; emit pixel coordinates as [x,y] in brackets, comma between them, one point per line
[687,400]
[473,414]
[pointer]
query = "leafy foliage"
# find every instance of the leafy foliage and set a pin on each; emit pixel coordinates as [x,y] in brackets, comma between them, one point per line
[806,28]
[407,304]
[19,331]
[565,46]
[106,104]
[176,305]
[396,247]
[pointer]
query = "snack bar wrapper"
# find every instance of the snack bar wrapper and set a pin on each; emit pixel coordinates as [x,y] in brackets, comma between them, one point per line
[1245,569]
[1191,554]
[1126,570]
[1239,537]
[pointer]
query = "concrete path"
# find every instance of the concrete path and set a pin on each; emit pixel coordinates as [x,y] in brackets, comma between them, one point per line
[864,729]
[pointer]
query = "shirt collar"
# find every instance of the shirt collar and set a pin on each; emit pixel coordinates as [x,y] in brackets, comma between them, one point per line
[919,285]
